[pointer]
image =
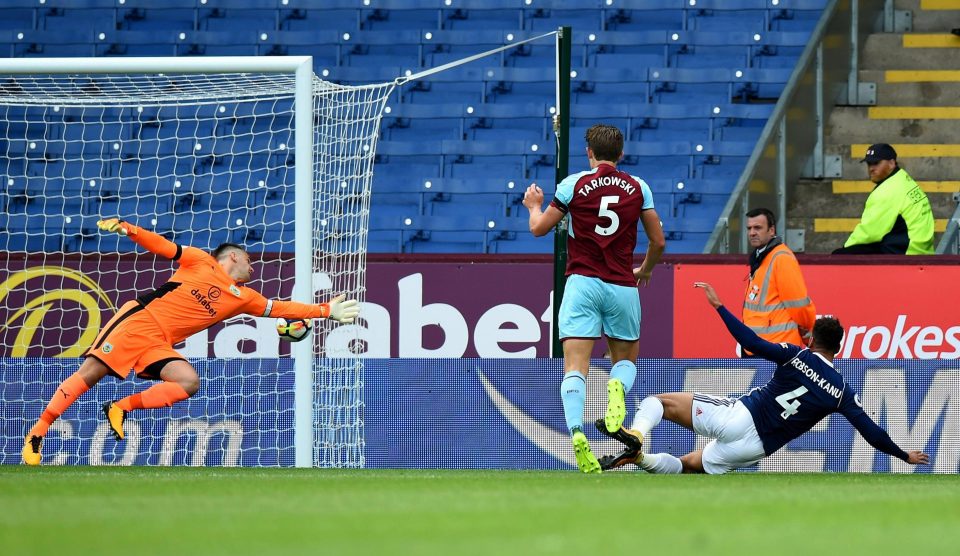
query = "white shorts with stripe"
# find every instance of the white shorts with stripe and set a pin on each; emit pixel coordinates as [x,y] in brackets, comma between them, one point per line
[728,422]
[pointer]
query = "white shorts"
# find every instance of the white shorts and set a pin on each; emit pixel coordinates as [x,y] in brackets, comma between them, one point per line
[729,422]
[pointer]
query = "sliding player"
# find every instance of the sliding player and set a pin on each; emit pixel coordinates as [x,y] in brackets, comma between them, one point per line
[804,389]
[205,290]
[605,205]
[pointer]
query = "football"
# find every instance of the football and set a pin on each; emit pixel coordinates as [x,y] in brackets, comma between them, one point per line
[293,330]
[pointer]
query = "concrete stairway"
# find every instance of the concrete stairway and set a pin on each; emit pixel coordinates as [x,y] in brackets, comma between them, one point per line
[918,112]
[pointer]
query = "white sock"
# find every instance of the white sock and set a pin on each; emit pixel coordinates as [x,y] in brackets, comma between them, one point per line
[648,415]
[661,463]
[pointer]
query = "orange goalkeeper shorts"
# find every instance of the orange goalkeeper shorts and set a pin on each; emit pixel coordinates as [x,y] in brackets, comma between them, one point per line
[133,340]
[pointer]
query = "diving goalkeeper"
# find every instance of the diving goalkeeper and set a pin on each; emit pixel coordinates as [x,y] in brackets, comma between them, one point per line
[205,289]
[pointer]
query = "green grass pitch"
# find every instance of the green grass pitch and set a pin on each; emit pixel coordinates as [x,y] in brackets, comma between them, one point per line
[207,511]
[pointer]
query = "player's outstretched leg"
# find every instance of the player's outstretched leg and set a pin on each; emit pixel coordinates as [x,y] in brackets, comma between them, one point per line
[115,417]
[89,373]
[586,461]
[622,377]
[613,461]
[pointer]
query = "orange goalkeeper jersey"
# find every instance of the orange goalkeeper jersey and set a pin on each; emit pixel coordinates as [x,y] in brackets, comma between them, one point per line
[200,294]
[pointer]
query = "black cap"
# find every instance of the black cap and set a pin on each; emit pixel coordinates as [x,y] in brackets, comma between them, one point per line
[878,152]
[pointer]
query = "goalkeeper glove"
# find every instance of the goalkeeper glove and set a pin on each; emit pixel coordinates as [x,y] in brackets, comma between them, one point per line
[112,225]
[343,310]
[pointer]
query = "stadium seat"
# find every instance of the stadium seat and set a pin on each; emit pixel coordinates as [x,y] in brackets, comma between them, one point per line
[324,46]
[359,48]
[398,15]
[69,15]
[149,15]
[136,43]
[642,15]
[61,43]
[217,43]
[443,46]
[752,83]
[483,14]
[520,84]
[509,121]
[239,15]
[20,14]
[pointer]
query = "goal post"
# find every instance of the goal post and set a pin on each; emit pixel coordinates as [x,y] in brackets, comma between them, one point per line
[198,149]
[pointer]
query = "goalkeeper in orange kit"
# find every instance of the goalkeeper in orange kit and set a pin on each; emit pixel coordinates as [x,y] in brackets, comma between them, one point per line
[205,290]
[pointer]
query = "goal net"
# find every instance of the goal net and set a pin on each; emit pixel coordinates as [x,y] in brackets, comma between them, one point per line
[203,151]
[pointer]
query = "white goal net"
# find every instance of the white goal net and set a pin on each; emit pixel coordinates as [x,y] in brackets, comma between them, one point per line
[201,156]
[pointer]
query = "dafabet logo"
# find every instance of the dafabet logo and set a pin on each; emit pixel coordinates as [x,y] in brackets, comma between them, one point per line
[51,289]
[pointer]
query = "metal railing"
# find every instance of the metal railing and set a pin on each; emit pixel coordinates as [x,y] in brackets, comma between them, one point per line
[950,240]
[791,144]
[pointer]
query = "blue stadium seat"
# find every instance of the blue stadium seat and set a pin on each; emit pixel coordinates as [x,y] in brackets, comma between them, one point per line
[742,134]
[374,48]
[441,121]
[443,46]
[608,81]
[525,121]
[493,197]
[708,155]
[150,15]
[578,14]
[20,14]
[60,43]
[606,48]
[324,46]
[401,15]
[360,76]
[425,234]
[460,84]
[239,15]
[217,43]
[752,83]
[520,84]
[708,83]
[483,14]
[338,16]
[68,15]
[642,15]
[136,43]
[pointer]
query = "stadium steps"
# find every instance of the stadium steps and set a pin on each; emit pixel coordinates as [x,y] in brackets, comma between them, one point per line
[929,15]
[898,51]
[917,87]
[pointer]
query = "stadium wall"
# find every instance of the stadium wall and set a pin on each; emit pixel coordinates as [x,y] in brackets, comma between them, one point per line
[469,413]
[498,307]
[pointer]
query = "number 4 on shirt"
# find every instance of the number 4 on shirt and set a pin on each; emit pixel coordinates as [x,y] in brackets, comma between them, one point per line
[789,401]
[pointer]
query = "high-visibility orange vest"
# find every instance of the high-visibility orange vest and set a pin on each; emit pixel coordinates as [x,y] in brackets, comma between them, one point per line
[776,303]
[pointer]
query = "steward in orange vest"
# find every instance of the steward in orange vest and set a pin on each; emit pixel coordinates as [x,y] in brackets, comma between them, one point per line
[775,306]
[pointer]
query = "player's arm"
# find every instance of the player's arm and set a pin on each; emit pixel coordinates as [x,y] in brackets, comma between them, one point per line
[540,221]
[339,308]
[778,353]
[872,433]
[153,242]
[655,245]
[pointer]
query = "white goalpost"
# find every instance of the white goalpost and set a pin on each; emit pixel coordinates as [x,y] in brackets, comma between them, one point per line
[206,150]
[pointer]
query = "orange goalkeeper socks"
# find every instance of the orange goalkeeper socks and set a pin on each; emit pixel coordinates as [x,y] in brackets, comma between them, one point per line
[164,394]
[66,394]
